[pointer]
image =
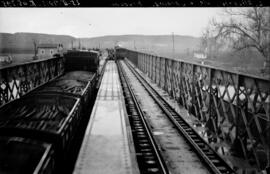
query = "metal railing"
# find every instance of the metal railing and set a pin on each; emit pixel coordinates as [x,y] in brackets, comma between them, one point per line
[234,106]
[18,79]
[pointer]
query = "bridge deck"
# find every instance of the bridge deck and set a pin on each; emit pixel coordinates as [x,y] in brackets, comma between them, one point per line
[107,146]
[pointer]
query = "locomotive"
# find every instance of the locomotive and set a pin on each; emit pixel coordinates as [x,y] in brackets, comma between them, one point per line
[37,131]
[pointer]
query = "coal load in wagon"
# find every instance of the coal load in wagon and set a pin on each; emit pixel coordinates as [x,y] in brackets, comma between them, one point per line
[65,86]
[78,75]
[83,76]
[21,155]
[76,83]
[49,117]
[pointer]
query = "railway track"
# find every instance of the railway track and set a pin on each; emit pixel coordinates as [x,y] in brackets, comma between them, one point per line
[209,156]
[147,153]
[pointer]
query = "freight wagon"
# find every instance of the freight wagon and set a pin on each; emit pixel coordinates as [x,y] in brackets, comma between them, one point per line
[22,155]
[121,53]
[41,125]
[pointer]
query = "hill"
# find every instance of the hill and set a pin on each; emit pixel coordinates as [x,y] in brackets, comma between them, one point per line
[156,44]
[23,42]
[160,44]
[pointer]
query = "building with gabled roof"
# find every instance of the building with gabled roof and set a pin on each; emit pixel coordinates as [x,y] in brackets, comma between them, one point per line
[48,50]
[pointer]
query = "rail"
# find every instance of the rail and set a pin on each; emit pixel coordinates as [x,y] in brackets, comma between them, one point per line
[148,156]
[235,107]
[18,79]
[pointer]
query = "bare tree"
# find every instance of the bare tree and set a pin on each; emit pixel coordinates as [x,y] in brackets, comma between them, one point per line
[247,28]
[35,43]
[204,39]
[208,43]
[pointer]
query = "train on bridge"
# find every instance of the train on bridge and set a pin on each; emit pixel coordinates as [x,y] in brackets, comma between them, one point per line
[38,130]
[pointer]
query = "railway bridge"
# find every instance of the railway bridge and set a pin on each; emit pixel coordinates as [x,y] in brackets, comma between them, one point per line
[133,113]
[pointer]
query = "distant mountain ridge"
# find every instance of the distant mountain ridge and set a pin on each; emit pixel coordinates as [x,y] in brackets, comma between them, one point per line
[23,42]
[156,44]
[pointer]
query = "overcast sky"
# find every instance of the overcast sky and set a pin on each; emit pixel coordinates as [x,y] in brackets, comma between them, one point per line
[92,22]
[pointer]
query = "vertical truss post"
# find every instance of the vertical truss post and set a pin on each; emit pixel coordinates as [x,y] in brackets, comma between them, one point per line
[193,100]
[25,86]
[159,69]
[181,84]
[165,74]
[5,77]
[171,78]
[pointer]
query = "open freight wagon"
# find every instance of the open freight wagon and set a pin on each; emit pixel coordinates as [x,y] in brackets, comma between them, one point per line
[40,127]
